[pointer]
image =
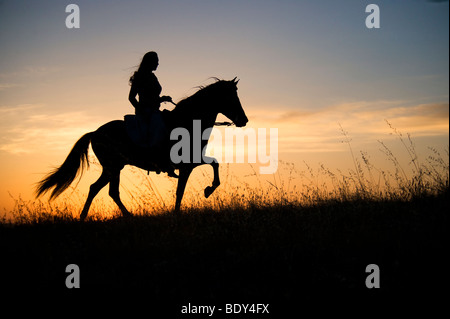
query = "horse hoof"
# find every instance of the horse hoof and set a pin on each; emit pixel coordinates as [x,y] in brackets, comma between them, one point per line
[208,191]
[83,217]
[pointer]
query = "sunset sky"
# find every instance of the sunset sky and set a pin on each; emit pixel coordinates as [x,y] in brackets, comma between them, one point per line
[305,67]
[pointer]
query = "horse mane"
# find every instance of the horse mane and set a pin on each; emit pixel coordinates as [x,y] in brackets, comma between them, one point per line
[202,90]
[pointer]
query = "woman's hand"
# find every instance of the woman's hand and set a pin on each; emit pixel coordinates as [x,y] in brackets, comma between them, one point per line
[166,98]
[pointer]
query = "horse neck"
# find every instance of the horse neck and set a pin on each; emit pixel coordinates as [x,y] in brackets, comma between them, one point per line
[202,110]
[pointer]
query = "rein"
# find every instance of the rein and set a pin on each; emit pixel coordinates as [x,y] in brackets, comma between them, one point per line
[216,123]
[224,123]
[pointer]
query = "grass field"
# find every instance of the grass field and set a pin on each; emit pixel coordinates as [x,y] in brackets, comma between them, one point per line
[251,247]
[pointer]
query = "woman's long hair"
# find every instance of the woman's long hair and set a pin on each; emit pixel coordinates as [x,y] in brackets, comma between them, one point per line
[149,60]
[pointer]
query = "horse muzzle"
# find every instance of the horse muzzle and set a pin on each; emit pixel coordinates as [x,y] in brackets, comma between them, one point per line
[241,122]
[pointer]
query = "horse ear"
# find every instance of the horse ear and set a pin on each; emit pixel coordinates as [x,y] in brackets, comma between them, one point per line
[234,80]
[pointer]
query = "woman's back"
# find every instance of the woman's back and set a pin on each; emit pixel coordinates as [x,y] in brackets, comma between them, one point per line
[148,89]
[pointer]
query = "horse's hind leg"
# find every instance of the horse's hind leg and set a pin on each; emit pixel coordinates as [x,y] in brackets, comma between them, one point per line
[115,195]
[93,191]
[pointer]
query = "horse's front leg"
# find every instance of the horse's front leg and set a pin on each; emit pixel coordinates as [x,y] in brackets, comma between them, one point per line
[184,174]
[216,182]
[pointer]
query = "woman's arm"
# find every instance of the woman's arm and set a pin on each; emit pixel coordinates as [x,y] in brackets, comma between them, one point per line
[132,97]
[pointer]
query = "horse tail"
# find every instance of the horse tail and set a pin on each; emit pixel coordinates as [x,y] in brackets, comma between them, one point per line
[61,178]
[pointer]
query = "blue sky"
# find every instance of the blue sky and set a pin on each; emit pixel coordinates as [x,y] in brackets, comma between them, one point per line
[313,52]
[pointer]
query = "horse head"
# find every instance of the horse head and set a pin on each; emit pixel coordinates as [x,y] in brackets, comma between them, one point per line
[219,97]
[230,105]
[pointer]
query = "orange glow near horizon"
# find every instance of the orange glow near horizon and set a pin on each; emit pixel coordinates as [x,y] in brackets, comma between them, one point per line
[156,192]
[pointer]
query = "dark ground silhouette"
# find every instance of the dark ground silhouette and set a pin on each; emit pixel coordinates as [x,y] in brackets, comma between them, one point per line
[276,255]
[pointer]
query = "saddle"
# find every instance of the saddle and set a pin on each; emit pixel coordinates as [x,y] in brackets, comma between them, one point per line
[146,132]
[151,137]
[133,131]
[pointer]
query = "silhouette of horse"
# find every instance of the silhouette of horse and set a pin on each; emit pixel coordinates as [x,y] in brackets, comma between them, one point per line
[114,148]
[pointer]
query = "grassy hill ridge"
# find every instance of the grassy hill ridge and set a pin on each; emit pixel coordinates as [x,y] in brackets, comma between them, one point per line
[268,252]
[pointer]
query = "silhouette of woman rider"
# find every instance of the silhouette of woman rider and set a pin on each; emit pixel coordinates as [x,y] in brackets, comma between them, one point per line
[145,84]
